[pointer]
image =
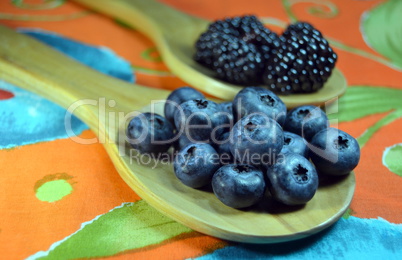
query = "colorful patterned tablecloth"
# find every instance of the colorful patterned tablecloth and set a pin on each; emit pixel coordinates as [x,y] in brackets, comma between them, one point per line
[63,200]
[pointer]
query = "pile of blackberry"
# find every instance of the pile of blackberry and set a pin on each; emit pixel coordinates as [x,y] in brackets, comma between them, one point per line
[244,52]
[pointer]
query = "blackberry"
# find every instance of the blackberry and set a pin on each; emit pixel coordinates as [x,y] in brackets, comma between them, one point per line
[302,63]
[247,28]
[268,42]
[205,45]
[237,62]
[236,49]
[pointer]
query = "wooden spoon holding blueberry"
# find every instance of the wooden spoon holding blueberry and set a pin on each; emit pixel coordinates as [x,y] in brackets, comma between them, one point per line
[266,194]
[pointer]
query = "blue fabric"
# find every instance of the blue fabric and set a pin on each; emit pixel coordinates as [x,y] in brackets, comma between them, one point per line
[351,238]
[99,58]
[27,118]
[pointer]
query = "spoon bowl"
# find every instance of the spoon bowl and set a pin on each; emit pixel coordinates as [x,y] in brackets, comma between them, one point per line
[87,93]
[175,34]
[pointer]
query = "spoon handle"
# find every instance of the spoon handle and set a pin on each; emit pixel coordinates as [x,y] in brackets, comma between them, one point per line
[150,17]
[27,63]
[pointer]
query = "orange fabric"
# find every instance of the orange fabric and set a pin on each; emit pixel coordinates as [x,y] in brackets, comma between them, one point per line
[19,239]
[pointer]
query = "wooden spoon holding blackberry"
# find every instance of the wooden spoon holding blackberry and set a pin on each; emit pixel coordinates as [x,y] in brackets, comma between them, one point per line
[299,62]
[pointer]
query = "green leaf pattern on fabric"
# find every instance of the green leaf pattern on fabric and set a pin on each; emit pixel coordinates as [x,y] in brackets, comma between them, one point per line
[130,226]
[361,101]
[382,29]
[318,8]
[42,5]
[392,159]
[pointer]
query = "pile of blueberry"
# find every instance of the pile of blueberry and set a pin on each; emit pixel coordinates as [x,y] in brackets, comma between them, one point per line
[244,147]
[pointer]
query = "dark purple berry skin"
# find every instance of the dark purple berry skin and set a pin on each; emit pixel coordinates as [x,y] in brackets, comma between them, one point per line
[177,97]
[195,164]
[306,121]
[200,120]
[222,146]
[233,60]
[292,180]
[259,100]
[249,30]
[182,142]
[150,133]
[236,49]
[334,152]
[303,62]
[237,62]
[226,109]
[294,143]
[256,138]
[238,186]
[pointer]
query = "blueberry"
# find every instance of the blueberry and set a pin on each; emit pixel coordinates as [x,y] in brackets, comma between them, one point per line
[226,108]
[222,146]
[150,133]
[177,97]
[292,180]
[306,121]
[200,120]
[238,185]
[259,100]
[182,142]
[334,152]
[195,164]
[256,139]
[294,143]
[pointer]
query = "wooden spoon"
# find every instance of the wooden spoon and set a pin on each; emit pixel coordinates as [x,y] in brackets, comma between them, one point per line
[32,65]
[175,34]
